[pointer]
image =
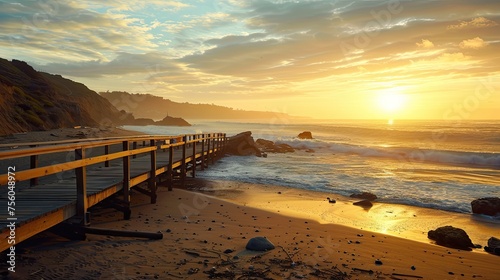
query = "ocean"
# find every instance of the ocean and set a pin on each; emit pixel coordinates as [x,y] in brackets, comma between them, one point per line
[432,164]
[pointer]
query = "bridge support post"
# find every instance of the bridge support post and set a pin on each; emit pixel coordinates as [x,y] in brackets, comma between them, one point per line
[203,152]
[193,161]
[81,189]
[152,174]
[170,172]
[209,139]
[33,164]
[213,148]
[126,183]
[183,165]
[106,152]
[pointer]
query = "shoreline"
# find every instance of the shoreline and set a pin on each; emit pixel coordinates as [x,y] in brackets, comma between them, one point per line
[404,221]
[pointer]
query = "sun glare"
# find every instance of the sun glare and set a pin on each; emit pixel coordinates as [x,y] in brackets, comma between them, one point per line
[391,101]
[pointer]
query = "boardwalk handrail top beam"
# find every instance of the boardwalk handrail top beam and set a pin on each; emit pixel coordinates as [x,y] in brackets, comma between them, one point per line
[65,166]
[63,146]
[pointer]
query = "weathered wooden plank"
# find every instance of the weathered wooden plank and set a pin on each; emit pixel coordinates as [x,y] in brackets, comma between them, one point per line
[41,206]
[37,225]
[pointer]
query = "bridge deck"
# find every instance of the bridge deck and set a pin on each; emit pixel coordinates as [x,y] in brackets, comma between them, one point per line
[42,206]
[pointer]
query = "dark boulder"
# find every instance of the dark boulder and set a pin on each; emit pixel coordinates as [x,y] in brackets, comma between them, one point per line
[264,144]
[271,147]
[364,203]
[305,135]
[493,246]
[364,195]
[284,148]
[487,206]
[242,144]
[259,244]
[452,237]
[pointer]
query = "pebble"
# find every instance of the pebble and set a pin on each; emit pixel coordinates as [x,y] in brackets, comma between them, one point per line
[378,262]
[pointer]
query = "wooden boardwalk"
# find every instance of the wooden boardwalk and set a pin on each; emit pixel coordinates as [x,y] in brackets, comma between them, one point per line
[44,184]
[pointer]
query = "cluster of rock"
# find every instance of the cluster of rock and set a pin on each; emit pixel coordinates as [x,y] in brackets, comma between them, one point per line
[268,146]
[457,238]
[243,144]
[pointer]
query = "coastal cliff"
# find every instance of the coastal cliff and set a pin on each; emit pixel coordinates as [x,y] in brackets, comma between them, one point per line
[32,101]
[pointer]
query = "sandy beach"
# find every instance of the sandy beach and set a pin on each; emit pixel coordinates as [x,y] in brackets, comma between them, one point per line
[207,226]
[204,237]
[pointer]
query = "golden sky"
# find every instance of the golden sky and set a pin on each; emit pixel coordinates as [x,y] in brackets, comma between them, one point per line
[337,59]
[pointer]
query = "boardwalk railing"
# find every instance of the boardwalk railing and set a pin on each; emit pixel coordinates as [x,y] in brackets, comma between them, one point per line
[43,184]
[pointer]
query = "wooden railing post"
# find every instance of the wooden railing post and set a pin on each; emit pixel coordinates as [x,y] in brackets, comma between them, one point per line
[225,143]
[213,148]
[33,165]
[218,146]
[183,165]
[193,171]
[152,174]
[208,148]
[126,182]
[203,152]
[106,152]
[81,188]
[134,146]
[170,171]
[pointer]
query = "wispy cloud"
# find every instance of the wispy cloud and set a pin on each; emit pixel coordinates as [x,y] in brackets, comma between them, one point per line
[478,22]
[255,49]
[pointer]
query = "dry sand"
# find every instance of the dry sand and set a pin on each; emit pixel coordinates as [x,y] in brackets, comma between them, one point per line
[198,229]
[314,239]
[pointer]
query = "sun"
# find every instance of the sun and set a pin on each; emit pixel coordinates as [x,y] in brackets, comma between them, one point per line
[391,101]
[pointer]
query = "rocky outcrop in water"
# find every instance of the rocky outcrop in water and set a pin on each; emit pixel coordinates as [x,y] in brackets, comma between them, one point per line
[271,147]
[487,206]
[305,135]
[242,144]
[452,237]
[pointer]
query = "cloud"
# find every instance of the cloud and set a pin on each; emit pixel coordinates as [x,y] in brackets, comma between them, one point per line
[125,63]
[65,31]
[206,22]
[475,43]
[426,44]
[478,22]
[452,57]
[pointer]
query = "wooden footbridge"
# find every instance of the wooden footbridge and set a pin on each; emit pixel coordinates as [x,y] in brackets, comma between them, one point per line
[44,184]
